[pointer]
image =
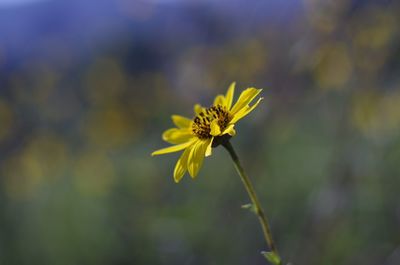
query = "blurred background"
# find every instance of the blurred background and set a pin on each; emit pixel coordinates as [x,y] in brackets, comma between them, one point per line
[87,88]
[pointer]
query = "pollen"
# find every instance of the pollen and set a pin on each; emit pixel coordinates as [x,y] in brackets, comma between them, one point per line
[201,126]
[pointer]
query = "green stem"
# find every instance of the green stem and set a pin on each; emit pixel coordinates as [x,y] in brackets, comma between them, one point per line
[254,199]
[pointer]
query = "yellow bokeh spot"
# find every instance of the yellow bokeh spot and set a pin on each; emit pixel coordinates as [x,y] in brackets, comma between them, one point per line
[376,115]
[325,15]
[243,61]
[377,31]
[104,81]
[43,159]
[364,111]
[108,128]
[6,120]
[390,111]
[333,66]
[93,174]
[374,32]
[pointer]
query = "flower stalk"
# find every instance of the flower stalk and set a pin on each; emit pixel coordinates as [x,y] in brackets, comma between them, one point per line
[211,127]
[256,206]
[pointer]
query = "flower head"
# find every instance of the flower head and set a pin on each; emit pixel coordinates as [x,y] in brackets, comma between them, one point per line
[206,130]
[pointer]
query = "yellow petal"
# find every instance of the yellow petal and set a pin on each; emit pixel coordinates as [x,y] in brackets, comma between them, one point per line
[219,100]
[181,165]
[244,99]
[177,136]
[181,122]
[196,156]
[209,147]
[198,108]
[229,95]
[174,148]
[215,129]
[244,111]
[230,130]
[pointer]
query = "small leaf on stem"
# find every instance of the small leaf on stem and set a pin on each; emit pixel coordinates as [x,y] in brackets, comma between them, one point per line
[272,257]
[250,207]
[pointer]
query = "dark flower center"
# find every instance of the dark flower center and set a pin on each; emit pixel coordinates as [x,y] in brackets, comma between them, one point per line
[201,123]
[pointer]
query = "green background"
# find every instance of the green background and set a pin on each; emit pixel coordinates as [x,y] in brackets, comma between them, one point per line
[78,184]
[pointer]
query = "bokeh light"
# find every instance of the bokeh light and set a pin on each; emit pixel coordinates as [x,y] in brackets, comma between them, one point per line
[87,88]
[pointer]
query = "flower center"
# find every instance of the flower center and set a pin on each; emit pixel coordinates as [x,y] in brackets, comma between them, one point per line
[201,123]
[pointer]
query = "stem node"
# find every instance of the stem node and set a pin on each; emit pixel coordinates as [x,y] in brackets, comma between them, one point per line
[254,199]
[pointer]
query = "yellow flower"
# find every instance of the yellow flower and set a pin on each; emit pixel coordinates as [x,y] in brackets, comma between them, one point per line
[208,129]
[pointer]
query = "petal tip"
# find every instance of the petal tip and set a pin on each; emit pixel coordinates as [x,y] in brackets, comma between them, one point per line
[176,180]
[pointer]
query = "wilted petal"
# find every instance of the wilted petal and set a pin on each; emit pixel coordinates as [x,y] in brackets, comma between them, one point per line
[244,99]
[244,111]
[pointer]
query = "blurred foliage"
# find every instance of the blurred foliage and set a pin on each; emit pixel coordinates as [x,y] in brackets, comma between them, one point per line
[78,185]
